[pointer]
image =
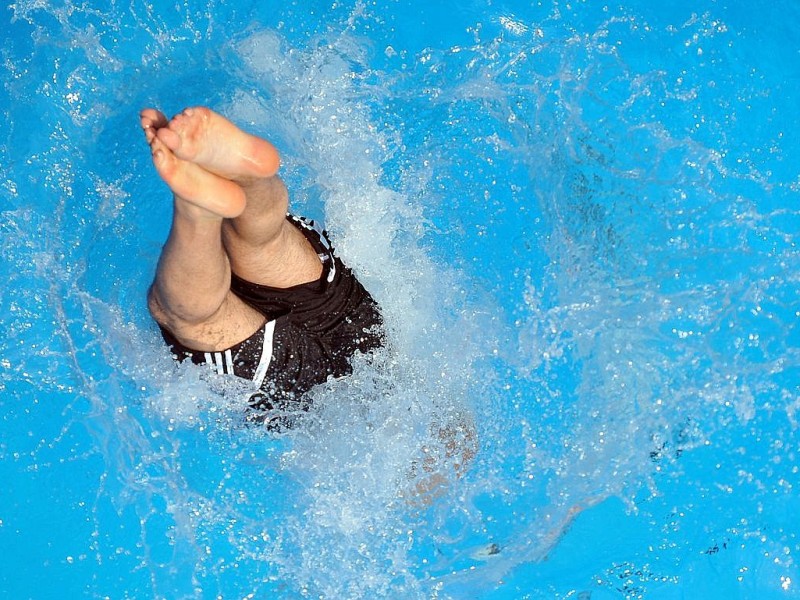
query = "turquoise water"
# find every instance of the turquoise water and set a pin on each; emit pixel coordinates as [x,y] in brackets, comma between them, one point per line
[581,221]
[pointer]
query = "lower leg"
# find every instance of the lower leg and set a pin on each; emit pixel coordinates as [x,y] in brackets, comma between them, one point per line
[193,274]
[263,218]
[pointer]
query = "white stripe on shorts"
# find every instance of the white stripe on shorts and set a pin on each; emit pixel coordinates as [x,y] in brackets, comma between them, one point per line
[266,354]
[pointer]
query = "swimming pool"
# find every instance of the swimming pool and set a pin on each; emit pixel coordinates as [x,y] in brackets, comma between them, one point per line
[581,221]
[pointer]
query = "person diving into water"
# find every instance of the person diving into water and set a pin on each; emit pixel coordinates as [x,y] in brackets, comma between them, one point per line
[242,285]
[252,291]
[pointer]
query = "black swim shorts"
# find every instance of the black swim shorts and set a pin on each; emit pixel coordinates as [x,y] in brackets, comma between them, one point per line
[311,333]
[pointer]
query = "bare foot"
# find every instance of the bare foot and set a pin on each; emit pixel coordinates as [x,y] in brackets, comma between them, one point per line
[189,182]
[205,138]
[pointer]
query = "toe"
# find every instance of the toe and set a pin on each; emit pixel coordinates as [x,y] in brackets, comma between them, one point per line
[155,117]
[169,137]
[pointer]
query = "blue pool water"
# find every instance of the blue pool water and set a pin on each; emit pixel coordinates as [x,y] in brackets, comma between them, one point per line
[581,221]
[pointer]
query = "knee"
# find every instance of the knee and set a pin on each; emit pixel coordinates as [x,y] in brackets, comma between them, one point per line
[182,312]
[156,307]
